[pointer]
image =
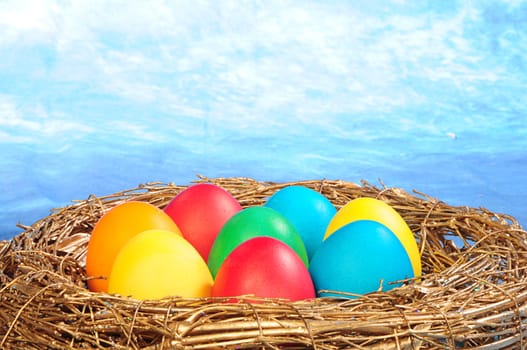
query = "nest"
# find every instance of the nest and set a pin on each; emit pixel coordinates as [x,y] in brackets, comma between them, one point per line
[473,292]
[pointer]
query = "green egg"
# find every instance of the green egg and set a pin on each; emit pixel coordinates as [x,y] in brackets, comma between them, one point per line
[254,222]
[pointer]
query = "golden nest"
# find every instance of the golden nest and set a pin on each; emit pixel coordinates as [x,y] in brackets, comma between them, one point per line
[472,295]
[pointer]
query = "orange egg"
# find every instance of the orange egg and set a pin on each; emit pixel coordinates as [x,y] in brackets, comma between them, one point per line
[113,230]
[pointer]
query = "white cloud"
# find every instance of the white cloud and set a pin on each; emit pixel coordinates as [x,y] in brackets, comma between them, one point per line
[6,137]
[11,117]
[27,22]
[33,123]
[247,60]
[136,131]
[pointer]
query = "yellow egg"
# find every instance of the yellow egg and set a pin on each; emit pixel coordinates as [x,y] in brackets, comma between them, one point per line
[155,264]
[377,210]
[111,233]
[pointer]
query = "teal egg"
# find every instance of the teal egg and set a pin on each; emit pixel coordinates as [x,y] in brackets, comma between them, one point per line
[308,210]
[357,258]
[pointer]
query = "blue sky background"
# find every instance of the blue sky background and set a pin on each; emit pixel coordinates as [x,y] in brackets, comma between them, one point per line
[99,96]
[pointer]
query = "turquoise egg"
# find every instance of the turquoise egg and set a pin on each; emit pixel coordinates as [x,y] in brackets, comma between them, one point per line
[358,258]
[308,210]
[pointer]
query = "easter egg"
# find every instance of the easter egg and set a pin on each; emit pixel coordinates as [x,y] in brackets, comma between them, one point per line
[249,223]
[377,210]
[308,210]
[264,267]
[200,211]
[113,230]
[156,264]
[357,258]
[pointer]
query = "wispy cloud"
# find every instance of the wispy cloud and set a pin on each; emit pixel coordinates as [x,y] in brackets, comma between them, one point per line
[34,124]
[256,61]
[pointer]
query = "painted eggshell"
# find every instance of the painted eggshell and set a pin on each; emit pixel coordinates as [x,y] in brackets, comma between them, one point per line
[156,264]
[200,211]
[254,222]
[366,208]
[113,230]
[361,257]
[264,267]
[308,210]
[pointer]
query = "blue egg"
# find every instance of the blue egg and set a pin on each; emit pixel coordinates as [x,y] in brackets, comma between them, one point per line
[307,210]
[357,257]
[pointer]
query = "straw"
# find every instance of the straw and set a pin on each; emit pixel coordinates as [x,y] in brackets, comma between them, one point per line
[472,295]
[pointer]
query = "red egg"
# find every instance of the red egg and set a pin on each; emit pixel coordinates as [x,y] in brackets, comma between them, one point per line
[200,212]
[264,267]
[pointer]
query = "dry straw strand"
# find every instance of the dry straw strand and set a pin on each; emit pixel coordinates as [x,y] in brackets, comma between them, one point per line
[472,295]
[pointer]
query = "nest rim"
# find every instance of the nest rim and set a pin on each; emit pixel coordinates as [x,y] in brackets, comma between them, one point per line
[470,296]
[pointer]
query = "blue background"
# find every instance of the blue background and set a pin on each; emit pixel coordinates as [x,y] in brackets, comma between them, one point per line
[100,96]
